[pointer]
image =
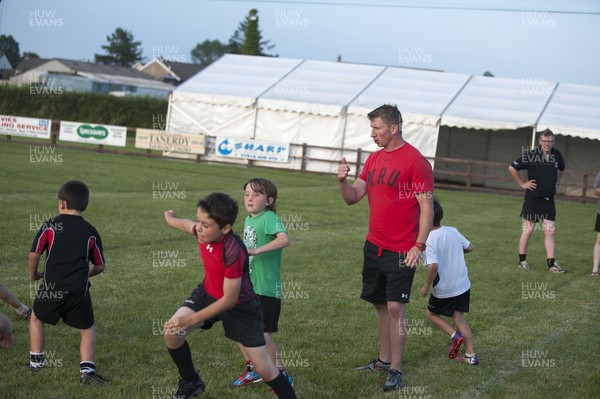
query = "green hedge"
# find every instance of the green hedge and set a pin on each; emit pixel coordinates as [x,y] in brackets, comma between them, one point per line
[83,107]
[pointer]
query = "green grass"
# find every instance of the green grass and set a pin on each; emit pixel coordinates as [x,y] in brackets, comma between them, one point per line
[325,329]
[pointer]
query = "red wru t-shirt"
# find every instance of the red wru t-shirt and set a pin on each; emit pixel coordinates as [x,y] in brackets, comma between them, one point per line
[394,178]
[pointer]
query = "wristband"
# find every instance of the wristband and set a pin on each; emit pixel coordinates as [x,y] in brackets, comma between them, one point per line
[421,246]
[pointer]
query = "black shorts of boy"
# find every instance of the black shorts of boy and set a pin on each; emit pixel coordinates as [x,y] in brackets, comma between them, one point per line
[271,309]
[75,311]
[538,209]
[243,323]
[385,277]
[447,306]
[597,223]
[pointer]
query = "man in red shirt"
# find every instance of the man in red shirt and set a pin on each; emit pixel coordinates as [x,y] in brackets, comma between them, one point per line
[398,181]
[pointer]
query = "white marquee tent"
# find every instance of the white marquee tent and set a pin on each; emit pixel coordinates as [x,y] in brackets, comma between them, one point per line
[325,104]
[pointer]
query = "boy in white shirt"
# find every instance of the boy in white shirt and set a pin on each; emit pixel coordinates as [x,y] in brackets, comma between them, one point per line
[447,271]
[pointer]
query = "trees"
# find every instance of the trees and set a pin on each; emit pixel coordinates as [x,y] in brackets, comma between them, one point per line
[10,47]
[247,39]
[121,49]
[208,51]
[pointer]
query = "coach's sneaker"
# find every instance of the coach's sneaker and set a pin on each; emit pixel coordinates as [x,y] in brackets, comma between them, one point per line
[375,365]
[393,381]
[457,341]
[189,388]
[555,268]
[523,265]
[248,377]
[472,360]
[91,378]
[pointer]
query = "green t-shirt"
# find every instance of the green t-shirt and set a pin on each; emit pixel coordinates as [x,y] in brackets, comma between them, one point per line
[265,269]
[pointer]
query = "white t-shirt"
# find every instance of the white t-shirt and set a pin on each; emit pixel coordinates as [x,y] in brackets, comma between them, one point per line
[445,247]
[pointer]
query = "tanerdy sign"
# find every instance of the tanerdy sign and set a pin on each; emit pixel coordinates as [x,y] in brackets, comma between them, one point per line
[93,134]
[25,127]
[168,141]
[251,149]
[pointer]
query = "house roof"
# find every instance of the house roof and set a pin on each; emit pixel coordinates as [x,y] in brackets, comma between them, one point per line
[30,63]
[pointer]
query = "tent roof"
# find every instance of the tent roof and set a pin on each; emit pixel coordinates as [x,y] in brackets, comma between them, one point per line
[573,111]
[320,87]
[423,96]
[420,95]
[495,103]
[243,77]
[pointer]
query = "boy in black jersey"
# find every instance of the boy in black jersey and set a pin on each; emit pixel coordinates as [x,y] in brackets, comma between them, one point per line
[70,243]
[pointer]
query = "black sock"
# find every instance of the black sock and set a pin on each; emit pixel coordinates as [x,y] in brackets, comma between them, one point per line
[522,257]
[87,367]
[550,262]
[182,357]
[282,388]
[383,361]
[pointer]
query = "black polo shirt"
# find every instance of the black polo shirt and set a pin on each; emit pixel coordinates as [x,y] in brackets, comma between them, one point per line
[542,169]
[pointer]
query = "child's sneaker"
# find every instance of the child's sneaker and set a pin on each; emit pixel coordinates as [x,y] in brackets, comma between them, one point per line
[91,379]
[457,341]
[248,377]
[190,388]
[472,360]
[555,268]
[523,265]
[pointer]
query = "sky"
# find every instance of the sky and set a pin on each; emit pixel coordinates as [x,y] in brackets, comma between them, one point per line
[545,41]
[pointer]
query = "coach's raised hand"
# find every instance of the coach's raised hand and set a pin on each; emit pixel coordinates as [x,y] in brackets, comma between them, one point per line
[343,170]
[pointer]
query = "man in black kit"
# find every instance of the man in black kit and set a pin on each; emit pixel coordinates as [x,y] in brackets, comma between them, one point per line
[545,167]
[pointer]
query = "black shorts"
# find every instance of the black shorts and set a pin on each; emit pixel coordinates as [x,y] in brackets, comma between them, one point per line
[597,223]
[75,311]
[538,209]
[243,323]
[271,309]
[447,306]
[385,277]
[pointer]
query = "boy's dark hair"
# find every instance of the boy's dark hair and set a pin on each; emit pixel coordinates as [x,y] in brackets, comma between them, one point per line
[220,207]
[266,187]
[390,114]
[76,194]
[438,213]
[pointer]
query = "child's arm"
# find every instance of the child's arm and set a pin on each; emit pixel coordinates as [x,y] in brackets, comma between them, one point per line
[95,270]
[468,249]
[281,240]
[231,293]
[431,273]
[185,225]
[33,262]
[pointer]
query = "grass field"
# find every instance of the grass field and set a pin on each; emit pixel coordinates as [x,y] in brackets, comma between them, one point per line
[536,333]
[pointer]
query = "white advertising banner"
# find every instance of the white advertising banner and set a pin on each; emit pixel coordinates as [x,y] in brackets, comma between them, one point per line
[169,141]
[93,134]
[234,147]
[25,127]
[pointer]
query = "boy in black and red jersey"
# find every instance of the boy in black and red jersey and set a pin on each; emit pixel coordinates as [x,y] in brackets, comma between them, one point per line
[71,244]
[224,295]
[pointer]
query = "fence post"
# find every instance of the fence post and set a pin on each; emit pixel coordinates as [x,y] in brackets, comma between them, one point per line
[358,161]
[469,175]
[54,130]
[585,186]
[100,148]
[303,160]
